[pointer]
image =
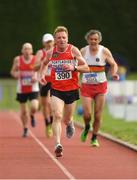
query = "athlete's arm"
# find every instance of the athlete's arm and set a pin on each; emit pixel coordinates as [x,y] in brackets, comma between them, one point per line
[14,69]
[113,65]
[44,67]
[82,65]
[37,64]
[47,58]
[82,50]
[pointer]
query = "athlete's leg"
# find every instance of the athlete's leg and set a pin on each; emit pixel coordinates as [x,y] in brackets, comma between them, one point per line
[24,114]
[45,102]
[34,105]
[68,118]
[98,110]
[57,110]
[47,113]
[46,108]
[68,112]
[87,110]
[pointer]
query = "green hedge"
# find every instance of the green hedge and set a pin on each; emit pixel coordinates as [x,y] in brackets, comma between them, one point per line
[28,20]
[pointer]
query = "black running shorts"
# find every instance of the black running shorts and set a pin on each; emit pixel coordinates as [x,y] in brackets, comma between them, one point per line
[44,89]
[23,97]
[67,96]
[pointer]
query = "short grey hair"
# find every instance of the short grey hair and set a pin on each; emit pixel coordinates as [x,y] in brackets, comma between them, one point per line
[93,31]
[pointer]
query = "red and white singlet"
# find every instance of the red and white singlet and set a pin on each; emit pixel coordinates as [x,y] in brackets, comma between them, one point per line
[63,80]
[94,82]
[25,84]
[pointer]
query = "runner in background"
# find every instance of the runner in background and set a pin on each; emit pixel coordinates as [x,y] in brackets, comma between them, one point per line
[27,85]
[66,62]
[94,83]
[48,43]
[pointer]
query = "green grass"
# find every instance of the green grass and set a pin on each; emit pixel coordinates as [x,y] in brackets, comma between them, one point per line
[8,94]
[119,128]
[132,76]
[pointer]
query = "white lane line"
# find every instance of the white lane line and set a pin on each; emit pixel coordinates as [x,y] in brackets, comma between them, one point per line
[65,171]
[45,149]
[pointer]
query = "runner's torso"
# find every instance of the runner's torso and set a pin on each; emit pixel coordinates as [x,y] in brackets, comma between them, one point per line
[63,80]
[25,84]
[96,64]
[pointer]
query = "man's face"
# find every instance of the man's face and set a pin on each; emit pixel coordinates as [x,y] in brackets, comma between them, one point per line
[93,40]
[48,45]
[27,50]
[61,39]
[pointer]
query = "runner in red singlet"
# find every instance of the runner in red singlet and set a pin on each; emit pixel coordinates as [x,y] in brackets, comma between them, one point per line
[66,62]
[48,43]
[27,85]
[94,83]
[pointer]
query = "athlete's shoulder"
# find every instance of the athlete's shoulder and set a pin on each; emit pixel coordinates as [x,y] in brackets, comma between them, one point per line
[105,49]
[73,47]
[106,52]
[50,52]
[33,56]
[83,50]
[75,50]
[39,52]
[16,61]
[17,58]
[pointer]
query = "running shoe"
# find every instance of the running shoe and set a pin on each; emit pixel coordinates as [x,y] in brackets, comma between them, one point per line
[58,150]
[94,143]
[48,130]
[33,121]
[25,133]
[84,135]
[70,130]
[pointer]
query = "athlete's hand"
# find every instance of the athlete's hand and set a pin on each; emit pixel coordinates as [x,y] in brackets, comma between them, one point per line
[34,77]
[43,81]
[115,77]
[16,75]
[68,67]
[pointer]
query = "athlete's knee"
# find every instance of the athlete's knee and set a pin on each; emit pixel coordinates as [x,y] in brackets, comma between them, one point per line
[87,116]
[66,120]
[34,107]
[24,113]
[57,116]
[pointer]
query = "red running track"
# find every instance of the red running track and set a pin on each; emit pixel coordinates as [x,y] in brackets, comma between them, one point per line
[33,157]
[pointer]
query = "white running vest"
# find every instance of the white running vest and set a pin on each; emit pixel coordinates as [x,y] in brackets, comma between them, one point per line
[97,64]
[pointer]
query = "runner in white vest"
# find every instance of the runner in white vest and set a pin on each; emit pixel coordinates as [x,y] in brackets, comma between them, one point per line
[94,83]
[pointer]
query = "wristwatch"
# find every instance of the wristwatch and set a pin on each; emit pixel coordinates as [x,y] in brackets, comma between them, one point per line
[75,68]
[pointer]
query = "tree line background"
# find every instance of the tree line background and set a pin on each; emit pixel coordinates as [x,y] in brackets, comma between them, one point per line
[27,21]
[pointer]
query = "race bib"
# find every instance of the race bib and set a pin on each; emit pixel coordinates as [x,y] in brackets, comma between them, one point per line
[90,78]
[26,81]
[63,75]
